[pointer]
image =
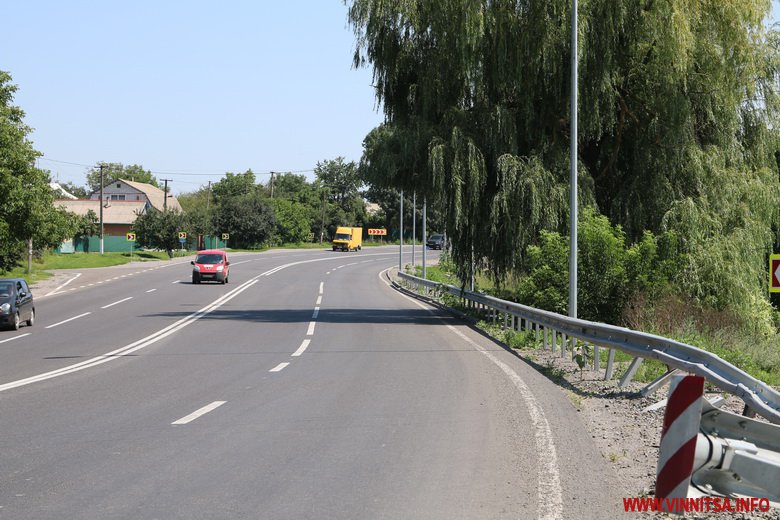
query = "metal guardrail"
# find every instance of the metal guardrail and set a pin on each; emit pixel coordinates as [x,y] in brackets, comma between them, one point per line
[757,395]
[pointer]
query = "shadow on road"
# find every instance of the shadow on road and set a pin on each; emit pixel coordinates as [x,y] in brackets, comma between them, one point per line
[329,315]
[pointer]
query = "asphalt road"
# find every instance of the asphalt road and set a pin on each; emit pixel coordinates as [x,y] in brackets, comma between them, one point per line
[305,388]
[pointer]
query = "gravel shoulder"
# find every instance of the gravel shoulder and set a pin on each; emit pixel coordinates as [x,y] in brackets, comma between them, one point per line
[625,433]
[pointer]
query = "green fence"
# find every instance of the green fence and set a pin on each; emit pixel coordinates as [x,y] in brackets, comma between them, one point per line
[116,244]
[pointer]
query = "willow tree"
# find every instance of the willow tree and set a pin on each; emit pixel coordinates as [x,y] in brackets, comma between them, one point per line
[678,98]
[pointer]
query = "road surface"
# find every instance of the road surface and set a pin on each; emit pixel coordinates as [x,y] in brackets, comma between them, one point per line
[305,388]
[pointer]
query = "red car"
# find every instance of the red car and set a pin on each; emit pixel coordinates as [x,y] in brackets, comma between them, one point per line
[210,264]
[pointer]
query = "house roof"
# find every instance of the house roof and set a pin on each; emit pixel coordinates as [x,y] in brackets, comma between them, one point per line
[155,195]
[115,212]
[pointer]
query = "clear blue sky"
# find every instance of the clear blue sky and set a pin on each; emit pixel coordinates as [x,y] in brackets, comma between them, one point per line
[188,86]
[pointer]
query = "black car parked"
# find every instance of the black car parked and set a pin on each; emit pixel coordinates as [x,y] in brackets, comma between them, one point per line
[16,303]
[435,242]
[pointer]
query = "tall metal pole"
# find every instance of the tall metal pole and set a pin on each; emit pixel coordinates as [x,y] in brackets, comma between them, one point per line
[573,173]
[414,224]
[165,195]
[401,246]
[101,207]
[208,199]
[424,237]
[322,221]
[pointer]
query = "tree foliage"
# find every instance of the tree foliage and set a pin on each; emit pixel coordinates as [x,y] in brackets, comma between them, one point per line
[678,111]
[26,209]
[249,219]
[160,229]
[115,171]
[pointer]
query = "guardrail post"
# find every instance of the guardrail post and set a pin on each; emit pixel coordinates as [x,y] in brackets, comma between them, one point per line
[596,359]
[544,334]
[659,382]
[554,339]
[563,345]
[610,365]
[573,345]
[629,375]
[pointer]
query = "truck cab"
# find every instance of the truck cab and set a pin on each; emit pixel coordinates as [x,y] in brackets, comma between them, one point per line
[348,239]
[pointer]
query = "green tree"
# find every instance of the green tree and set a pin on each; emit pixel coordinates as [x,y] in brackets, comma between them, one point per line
[682,106]
[77,191]
[115,171]
[160,229]
[248,218]
[26,211]
[292,221]
[234,185]
[340,182]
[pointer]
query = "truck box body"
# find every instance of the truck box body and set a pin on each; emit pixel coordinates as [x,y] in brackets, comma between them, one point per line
[348,239]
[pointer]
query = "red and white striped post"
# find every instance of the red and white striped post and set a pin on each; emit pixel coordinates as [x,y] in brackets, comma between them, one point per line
[678,438]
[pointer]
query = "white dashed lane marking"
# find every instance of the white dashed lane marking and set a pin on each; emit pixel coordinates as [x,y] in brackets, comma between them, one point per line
[302,348]
[69,319]
[117,302]
[279,367]
[198,413]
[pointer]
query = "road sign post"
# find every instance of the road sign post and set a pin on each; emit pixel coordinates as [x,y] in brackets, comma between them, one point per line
[774,273]
[225,238]
[131,238]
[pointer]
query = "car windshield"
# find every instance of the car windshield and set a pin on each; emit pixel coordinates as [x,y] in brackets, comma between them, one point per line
[436,237]
[343,236]
[5,290]
[209,259]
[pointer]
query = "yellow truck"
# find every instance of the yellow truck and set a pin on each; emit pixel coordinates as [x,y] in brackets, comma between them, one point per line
[348,239]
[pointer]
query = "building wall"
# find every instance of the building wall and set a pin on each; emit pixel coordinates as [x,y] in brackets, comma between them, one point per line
[119,188]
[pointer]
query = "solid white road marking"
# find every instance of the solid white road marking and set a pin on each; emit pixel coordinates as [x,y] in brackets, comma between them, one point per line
[197,413]
[116,303]
[23,335]
[63,285]
[279,367]
[319,300]
[310,332]
[302,348]
[151,290]
[69,319]
[549,492]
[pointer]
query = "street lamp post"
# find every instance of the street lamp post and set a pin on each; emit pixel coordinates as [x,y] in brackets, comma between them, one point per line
[401,234]
[573,171]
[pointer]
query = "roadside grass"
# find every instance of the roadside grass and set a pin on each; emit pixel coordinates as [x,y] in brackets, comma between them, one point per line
[50,261]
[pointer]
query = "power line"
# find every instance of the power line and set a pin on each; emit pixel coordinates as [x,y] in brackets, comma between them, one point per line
[184,172]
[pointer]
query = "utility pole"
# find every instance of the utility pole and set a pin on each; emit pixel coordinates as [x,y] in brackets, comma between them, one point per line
[101,207]
[165,198]
[208,199]
[322,221]
[272,184]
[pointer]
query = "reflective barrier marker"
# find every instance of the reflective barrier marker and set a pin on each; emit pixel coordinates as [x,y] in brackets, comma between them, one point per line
[678,438]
